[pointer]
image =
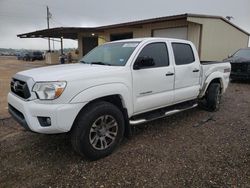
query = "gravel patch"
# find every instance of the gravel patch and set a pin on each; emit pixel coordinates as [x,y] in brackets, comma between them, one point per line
[190,149]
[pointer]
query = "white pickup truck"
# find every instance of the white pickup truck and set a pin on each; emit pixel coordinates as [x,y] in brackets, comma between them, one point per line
[115,86]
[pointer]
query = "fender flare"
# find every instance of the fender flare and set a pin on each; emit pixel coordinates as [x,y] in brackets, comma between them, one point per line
[104,90]
[209,79]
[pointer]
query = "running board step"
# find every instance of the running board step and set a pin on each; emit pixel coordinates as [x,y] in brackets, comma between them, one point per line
[160,115]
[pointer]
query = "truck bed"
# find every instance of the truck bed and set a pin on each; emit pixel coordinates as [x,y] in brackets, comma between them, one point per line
[212,62]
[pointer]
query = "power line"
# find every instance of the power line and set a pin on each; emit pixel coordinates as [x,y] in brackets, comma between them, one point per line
[32,2]
[18,16]
[57,22]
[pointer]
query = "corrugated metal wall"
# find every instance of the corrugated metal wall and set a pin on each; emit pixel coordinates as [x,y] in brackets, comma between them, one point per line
[194,34]
[219,39]
[214,38]
[145,30]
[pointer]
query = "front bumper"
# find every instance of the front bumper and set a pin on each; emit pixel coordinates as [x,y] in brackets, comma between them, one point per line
[27,112]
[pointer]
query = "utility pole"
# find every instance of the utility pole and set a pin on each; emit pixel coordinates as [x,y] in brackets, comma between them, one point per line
[48,17]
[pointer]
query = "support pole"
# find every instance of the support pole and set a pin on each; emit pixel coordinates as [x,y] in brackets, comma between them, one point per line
[61,45]
[48,17]
[62,59]
[53,44]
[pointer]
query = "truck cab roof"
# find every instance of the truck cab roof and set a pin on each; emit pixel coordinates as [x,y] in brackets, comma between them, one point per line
[148,39]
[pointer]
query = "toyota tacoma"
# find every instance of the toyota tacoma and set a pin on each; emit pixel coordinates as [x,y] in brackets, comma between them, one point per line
[114,87]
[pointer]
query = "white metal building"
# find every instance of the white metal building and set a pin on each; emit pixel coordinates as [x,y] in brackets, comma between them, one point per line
[214,37]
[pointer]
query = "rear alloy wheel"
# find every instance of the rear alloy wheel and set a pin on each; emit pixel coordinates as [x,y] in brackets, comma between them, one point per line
[98,130]
[213,97]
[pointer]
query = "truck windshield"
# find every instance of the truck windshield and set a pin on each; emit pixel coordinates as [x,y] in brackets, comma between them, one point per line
[113,54]
[245,53]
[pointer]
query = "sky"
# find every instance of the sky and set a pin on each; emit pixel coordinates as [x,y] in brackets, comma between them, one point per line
[21,16]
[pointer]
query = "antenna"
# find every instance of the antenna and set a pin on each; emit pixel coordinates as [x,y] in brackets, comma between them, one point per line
[229,18]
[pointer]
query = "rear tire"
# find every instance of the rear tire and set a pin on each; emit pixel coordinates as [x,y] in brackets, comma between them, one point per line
[213,97]
[98,130]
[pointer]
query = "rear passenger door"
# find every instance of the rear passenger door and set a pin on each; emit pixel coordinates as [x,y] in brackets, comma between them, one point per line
[153,86]
[187,72]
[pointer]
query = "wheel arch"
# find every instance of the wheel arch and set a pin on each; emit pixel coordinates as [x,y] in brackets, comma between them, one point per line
[118,101]
[216,78]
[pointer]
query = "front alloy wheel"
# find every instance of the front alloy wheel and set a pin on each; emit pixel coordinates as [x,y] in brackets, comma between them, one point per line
[103,132]
[98,130]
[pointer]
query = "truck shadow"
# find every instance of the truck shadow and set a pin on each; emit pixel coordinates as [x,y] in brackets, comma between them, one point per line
[170,122]
[57,149]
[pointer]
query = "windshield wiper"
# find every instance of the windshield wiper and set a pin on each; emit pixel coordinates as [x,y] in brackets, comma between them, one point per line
[83,62]
[99,63]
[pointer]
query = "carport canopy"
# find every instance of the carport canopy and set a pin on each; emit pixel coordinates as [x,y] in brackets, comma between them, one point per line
[59,32]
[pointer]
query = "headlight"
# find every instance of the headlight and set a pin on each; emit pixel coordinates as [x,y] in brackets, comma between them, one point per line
[49,90]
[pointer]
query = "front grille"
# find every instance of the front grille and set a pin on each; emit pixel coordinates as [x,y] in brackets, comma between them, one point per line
[248,68]
[240,67]
[20,88]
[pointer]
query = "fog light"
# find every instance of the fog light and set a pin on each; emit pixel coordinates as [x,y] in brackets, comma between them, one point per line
[44,121]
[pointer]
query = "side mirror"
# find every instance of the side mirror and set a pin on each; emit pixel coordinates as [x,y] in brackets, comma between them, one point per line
[230,55]
[143,62]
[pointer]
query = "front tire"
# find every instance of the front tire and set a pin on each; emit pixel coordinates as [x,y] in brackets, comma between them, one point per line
[213,97]
[98,130]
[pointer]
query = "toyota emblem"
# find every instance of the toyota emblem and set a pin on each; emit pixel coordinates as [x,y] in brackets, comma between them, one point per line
[15,86]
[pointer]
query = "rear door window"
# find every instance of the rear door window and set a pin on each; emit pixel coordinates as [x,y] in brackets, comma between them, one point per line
[183,53]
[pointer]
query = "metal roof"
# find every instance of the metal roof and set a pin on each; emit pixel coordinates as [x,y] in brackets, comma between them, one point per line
[218,17]
[58,32]
[72,32]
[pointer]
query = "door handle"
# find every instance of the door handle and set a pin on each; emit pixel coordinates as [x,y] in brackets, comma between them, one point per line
[196,70]
[169,74]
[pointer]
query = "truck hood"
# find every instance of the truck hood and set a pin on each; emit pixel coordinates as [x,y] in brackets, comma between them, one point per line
[69,72]
[237,59]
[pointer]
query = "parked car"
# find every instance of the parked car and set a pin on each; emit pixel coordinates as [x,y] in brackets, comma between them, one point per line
[117,85]
[240,62]
[36,55]
[19,55]
[23,56]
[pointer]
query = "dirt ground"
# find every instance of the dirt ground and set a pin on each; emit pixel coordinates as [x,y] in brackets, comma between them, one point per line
[8,67]
[190,149]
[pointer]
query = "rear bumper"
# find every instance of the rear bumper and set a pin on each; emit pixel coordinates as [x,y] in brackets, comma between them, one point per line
[26,113]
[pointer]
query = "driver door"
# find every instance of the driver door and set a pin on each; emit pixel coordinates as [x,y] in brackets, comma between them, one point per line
[153,86]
